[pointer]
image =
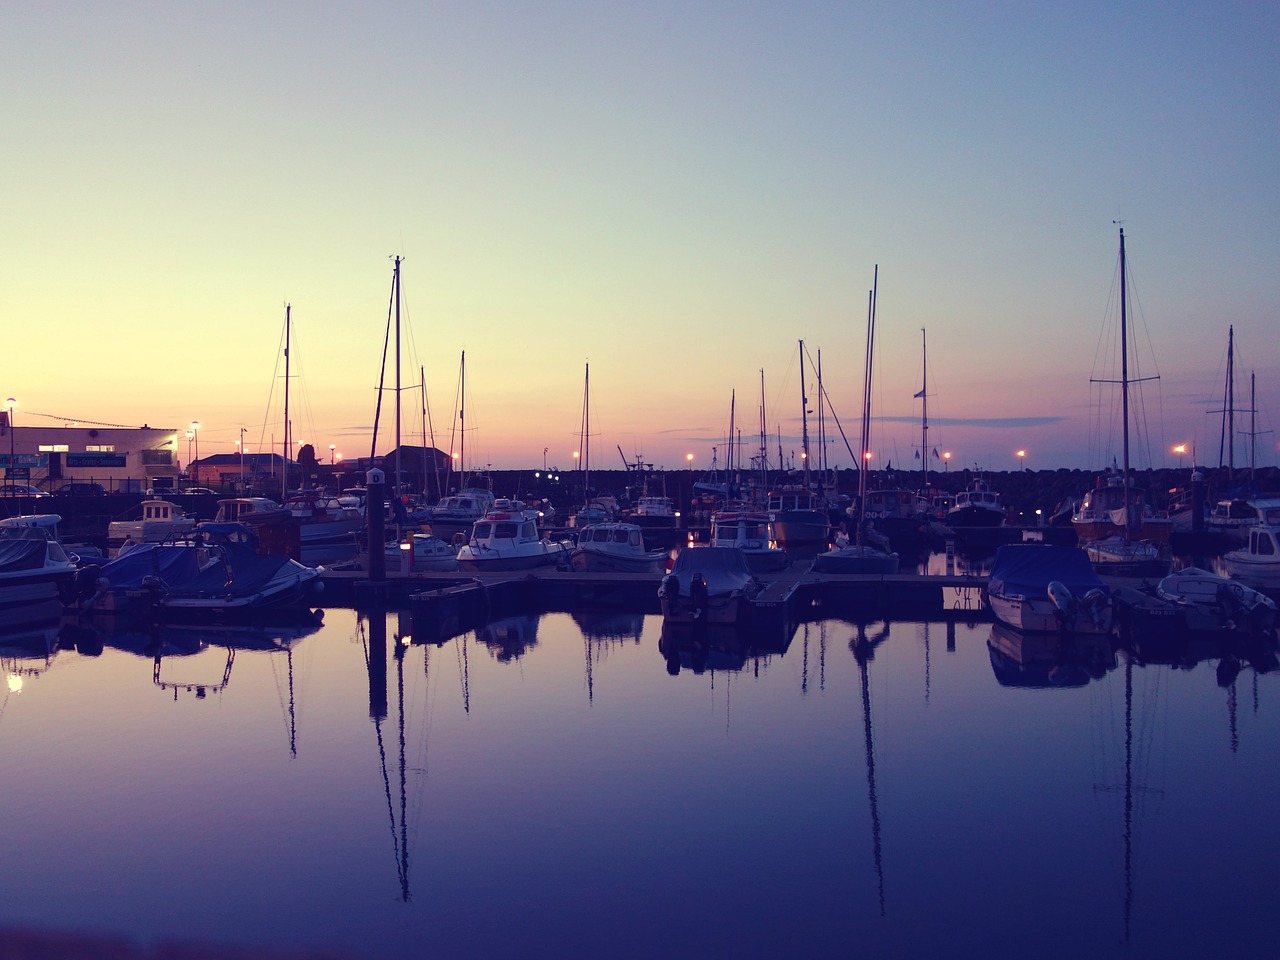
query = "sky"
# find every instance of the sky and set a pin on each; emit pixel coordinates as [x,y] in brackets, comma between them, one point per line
[675,193]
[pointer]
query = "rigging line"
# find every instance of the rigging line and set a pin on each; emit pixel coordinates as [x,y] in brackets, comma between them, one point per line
[79,421]
[382,375]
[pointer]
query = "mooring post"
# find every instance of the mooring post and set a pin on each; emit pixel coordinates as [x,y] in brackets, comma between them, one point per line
[375,497]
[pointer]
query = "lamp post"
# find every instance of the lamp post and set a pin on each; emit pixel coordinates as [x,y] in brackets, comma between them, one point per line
[242,484]
[332,451]
[195,434]
[11,403]
[946,461]
[1180,450]
[1022,458]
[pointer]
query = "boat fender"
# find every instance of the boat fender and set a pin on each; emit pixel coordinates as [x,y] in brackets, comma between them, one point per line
[1095,600]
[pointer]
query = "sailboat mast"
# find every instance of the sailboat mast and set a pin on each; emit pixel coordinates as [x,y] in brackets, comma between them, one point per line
[288,427]
[866,407]
[395,485]
[924,405]
[462,423]
[804,421]
[1124,378]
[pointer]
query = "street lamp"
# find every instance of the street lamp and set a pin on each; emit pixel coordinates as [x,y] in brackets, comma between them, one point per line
[1180,450]
[1022,458]
[195,433]
[689,459]
[946,460]
[332,452]
[11,403]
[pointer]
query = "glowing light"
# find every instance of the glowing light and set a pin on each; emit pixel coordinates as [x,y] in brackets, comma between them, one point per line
[15,683]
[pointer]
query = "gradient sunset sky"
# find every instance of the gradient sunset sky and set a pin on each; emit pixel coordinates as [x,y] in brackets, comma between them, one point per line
[676,193]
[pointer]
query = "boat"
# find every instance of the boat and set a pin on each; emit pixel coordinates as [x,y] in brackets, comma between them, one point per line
[1115,524]
[1212,602]
[619,547]
[325,520]
[198,579]
[159,520]
[1042,587]
[708,585]
[35,571]
[798,519]
[977,505]
[508,539]
[869,551]
[423,552]
[751,532]
[459,512]
[1257,562]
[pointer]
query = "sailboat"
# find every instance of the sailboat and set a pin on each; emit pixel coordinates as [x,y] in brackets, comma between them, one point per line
[1114,524]
[864,554]
[455,514]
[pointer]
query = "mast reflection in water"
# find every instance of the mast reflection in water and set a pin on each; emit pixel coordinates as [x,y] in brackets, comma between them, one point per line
[600,786]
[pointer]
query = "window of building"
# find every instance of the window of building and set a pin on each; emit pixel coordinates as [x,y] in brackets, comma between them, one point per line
[53,448]
[100,448]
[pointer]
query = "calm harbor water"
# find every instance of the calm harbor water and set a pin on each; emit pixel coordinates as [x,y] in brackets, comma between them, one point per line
[581,785]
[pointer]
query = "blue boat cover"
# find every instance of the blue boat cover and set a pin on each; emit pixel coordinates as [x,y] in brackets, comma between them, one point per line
[22,553]
[244,573]
[1028,568]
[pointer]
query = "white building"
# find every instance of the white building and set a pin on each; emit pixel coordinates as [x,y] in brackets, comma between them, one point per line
[120,458]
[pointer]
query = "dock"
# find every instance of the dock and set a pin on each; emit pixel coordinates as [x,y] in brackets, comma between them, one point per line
[446,604]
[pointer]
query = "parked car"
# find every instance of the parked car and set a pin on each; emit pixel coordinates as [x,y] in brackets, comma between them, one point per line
[21,490]
[79,488]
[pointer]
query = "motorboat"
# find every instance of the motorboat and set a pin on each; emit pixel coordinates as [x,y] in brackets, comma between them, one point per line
[159,520]
[895,512]
[798,517]
[1258,562]
[871,556]
[423,552]
[198,579]
[459,512]
[1208,601]
[708,585]
[619,547]
[325,520]
[654,512]
[34,570]
[751,532]
[1119,556]
[977,506]
[508,539]
[1042,587]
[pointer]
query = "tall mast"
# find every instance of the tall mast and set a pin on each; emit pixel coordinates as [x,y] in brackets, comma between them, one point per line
[1124,380]
[462,423]
[866,405]
[395,484]
[924,406]
[804,421]
[288,427]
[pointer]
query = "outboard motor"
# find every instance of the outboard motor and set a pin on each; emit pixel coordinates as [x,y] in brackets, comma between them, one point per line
[669,587]
[1095,601]
[1063,600]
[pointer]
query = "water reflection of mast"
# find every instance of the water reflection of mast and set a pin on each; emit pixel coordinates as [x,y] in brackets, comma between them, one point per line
[863,650]
[376,658]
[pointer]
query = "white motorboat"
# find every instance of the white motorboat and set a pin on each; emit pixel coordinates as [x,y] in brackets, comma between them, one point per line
[1041,587]
[751,532]
[1258,562]
[619,547]
[34,569]
[1209,602]
[159,520]
[508,539]
[424,552]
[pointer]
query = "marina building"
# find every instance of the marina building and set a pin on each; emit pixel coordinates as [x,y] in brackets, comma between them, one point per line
[129,459]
